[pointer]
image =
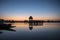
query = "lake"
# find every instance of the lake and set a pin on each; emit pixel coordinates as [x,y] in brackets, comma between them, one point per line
[26,31]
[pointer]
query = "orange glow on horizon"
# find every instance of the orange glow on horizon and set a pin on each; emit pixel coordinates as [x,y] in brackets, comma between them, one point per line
[27,18]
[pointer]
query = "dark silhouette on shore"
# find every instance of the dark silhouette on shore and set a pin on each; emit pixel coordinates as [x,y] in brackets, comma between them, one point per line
[4,26]
[8,28]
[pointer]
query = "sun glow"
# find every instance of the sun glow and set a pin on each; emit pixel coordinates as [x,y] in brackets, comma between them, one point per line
[27,18]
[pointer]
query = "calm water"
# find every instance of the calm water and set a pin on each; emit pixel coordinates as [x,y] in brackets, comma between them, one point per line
[25,31]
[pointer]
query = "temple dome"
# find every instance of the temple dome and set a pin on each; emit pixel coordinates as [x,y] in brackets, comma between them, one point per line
[30,17]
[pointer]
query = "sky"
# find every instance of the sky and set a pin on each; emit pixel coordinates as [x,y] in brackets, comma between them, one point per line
[22,9]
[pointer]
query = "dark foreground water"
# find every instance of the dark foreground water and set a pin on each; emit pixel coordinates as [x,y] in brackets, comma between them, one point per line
[25,31]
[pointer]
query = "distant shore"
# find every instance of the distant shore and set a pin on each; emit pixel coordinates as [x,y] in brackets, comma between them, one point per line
[32,21]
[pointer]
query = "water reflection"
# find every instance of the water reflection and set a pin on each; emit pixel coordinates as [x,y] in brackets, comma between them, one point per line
[34,24]
[30,26]
[1,32]
[30,31]
[7,27]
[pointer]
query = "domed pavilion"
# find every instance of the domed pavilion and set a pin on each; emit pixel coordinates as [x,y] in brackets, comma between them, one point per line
[30,18]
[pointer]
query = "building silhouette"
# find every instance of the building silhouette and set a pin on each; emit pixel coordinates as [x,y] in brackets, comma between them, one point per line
[30,18]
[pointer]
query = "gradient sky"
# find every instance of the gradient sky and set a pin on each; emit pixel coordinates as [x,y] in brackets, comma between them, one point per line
[22,9]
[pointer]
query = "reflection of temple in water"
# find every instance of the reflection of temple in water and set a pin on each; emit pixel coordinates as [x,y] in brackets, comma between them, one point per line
[34,23]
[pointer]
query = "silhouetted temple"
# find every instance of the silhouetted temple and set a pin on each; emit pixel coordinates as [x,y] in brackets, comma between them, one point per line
[30,18]
[34,21]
